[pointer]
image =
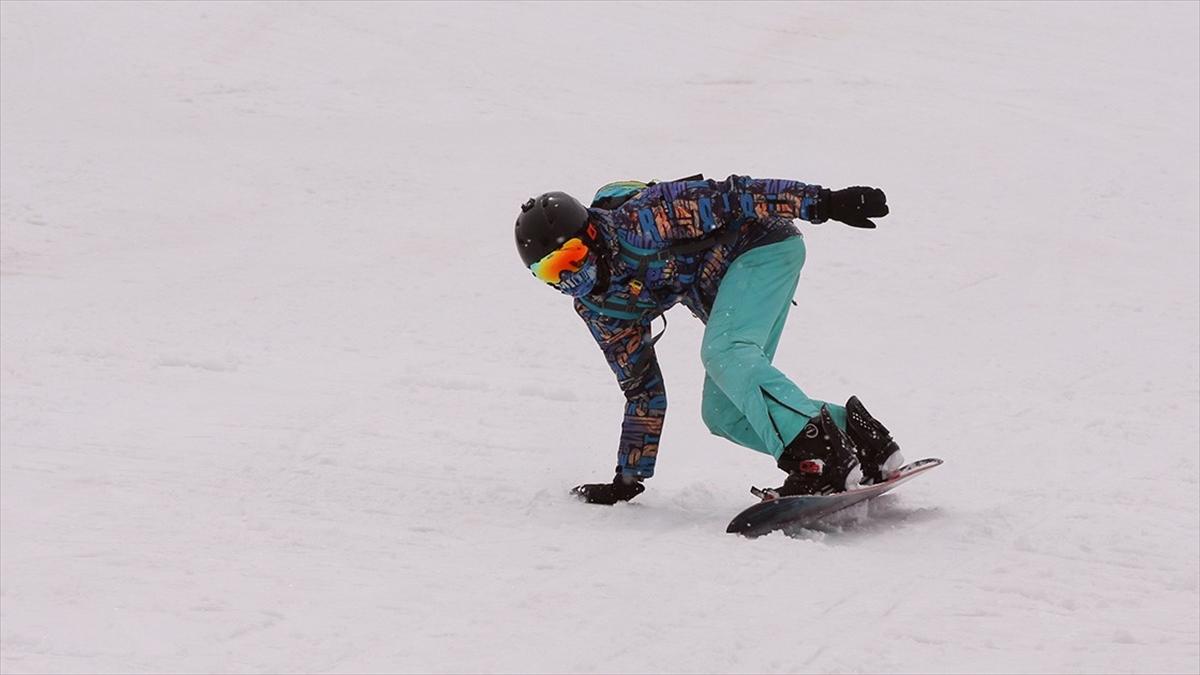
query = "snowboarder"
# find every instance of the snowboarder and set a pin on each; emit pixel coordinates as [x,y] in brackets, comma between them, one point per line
[730,253]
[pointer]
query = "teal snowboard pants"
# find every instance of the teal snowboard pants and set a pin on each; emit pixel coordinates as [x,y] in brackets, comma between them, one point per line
[746,399]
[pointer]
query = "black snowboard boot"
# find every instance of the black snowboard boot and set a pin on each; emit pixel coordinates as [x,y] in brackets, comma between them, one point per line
[820,460]
[878,453]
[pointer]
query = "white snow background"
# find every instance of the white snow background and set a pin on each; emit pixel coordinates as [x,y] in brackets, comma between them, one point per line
[278,395]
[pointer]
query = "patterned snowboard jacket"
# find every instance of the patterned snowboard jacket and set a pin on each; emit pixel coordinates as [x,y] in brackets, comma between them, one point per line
[672,243]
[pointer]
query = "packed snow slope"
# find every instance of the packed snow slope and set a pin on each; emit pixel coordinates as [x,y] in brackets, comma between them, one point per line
[278,396]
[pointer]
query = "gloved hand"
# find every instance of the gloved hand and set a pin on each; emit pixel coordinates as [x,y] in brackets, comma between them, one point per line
[621,489]
[853,205]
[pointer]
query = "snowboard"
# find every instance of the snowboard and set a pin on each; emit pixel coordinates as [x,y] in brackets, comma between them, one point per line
[798,511]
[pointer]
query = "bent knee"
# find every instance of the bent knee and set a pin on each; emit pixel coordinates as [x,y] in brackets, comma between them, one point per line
[716,351]
[722,353]
[710,414]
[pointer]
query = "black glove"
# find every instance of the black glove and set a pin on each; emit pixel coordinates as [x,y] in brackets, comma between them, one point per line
[853,206]
[621,489]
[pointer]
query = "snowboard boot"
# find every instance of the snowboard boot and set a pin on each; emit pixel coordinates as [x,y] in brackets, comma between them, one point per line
[819,461]
[877,452]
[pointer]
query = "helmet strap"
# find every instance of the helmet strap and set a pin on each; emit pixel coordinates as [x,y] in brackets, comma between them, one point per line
[591,235]
[603,274]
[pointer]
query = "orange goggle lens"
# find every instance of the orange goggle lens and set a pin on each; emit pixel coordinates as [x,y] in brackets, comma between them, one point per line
[567,258]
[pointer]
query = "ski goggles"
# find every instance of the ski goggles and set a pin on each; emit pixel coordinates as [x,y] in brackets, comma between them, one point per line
[569,257]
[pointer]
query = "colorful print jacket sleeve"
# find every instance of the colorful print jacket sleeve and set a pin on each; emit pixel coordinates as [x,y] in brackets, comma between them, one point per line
[628,347]
[650,227]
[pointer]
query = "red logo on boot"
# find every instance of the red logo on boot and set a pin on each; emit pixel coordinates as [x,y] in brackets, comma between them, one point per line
[814,466]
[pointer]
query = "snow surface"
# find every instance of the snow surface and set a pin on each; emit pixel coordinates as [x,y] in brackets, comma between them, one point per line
[279,397]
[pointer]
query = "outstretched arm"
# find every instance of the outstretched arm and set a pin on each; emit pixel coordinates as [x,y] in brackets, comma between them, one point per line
[630,353]
[852,206]
[708,204]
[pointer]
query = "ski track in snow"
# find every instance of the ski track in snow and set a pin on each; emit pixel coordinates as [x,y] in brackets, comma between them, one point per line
[278,397]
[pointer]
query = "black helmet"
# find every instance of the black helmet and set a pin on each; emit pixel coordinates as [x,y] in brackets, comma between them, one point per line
[546,223]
